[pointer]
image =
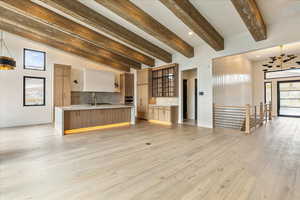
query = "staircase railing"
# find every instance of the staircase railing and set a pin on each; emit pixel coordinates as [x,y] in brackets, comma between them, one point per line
[245,118]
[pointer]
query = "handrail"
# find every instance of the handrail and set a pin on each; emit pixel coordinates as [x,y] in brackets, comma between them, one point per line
[223,106]
[251,116]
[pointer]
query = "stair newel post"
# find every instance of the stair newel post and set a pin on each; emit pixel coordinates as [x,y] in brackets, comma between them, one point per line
[214,114]
[261,113]
[247,121]
[255,116]
[266,112]
[270,111]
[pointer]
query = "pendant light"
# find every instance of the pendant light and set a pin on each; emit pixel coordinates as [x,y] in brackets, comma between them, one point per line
[6,62]
[279,61]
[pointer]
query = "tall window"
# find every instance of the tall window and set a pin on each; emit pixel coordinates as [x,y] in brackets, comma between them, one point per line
[34,91]
[34,60]
[268,92]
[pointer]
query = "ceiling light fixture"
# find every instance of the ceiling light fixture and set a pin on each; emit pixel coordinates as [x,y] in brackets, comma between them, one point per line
[191,33]
[6,62]
[278,61]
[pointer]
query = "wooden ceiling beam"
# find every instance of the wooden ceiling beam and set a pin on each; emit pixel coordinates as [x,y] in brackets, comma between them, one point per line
[12,28]
[252,17]
[138,17]
[41,14]
[191,17]
[85,14]
[54,34]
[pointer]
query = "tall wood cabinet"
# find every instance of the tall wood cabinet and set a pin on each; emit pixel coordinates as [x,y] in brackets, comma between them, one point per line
[127,84]
[127,87]
[62,85]
[143,92]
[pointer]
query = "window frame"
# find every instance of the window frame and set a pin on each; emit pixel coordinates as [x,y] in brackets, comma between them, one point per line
[281,70]
[265,91]
[24,90]
[32,50]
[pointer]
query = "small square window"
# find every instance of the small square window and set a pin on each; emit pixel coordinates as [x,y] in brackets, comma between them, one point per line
[34,60]
[34,91]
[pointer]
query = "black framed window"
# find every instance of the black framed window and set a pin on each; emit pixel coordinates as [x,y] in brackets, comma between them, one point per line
[34,60]
[288,94]
[34,91]
[164,82]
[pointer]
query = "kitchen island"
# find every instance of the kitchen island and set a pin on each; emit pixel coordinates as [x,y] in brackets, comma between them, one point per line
[82,118]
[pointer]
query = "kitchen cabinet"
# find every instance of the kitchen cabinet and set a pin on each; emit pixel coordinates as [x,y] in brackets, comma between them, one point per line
[90,80]
[127,84]
[142,104]
[143,76]
[74,119]
[143,93]
[167,114]
[98,81]
[62,85]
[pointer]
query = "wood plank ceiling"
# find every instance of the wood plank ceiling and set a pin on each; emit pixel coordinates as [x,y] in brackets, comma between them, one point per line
[38,23]
[252,17]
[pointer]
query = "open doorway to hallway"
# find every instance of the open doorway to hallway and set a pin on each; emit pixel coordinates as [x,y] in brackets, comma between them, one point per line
[189,83]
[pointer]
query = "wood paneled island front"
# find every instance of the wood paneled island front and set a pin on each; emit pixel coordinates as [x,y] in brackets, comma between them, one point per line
[82,118]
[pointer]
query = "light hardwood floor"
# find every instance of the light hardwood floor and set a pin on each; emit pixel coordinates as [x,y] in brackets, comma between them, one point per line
[181,163]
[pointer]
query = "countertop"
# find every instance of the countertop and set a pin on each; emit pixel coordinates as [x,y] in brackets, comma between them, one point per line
[90,107]
[154,105]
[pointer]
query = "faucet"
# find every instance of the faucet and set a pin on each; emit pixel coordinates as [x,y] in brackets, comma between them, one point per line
[94,97]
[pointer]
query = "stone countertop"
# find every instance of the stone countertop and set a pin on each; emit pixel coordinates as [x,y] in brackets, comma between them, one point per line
[154,105]
[90,107]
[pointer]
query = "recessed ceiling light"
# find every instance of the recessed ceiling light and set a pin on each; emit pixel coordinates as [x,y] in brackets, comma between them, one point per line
[191,33]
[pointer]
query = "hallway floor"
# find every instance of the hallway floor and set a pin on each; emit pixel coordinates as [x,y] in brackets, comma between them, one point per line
[154,162]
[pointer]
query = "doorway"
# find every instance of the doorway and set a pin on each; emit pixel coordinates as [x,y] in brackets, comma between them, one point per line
[184,100]
[288,98]
[189,97]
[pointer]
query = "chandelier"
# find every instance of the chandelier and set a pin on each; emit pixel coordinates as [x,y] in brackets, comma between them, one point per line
[6,62]
[278,61]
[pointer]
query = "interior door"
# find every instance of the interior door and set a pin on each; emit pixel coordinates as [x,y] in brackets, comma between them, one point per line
[196,99]
[184,100]
[288,93]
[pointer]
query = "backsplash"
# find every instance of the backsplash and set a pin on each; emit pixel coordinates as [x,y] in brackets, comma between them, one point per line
[102,97]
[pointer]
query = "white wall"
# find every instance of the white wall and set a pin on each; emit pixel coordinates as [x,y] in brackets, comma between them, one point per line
[12,112]
[283,33]
[232,81]
[190,76]
[258,83]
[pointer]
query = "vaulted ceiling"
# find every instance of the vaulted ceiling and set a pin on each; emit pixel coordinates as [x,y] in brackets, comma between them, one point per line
[127,33]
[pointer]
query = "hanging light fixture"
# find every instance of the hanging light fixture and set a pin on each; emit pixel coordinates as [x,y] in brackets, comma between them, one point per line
[278,61]
[6,62]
